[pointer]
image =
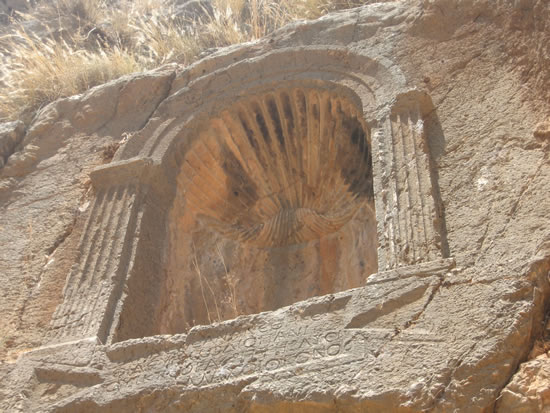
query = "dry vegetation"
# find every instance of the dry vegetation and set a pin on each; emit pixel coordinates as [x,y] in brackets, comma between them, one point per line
[63,47]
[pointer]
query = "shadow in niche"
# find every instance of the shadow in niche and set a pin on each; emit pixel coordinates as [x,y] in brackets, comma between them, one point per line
[437,143]
[274,206]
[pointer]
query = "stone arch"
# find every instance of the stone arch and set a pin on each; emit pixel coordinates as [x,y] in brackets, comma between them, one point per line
[212,85]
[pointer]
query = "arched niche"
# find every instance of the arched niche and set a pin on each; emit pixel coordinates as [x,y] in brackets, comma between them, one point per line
[274,204]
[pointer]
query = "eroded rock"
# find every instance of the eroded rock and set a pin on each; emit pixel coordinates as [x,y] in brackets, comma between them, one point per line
[11,134]
[529,390]
[542,131]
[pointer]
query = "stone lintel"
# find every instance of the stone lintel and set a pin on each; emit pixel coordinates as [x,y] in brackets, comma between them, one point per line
[142,347]
[71,353]
[121,172]
[436,267]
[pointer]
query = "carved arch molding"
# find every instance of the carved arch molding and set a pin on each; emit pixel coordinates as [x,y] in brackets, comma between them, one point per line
[334,141]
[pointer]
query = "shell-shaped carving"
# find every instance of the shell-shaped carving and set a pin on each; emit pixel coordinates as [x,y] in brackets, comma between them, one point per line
[281,168]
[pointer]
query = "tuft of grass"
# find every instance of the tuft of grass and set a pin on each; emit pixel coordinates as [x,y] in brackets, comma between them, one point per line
[90,42]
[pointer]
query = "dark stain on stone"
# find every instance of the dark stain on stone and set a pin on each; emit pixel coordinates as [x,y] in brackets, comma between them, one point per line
[357,168]
[262,125]
[252,139]
[368,176]
[355,136]
[248,131]
[274,113]
[238,180]
[289,116]
[315,111]
[302,108]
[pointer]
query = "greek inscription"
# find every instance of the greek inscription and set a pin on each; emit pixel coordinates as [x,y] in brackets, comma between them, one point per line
[304,342]
[249,367]
[229,347]
[280,335]
[303,357]
[299,331]
[276,349]
[318,352]
[333,349]
[273,364]
[197,380]
[332,336]
[277,325]
[209,364]
[186,369]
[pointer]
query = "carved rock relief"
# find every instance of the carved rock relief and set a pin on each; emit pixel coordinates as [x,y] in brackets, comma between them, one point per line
[281,196]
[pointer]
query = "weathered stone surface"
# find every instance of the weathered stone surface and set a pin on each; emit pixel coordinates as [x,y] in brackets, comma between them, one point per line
[542,131]
[11,134]
[444,311]
[529,390]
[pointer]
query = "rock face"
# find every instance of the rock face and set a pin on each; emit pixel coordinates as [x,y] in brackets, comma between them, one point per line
[8,6]
[11,134]
[529,390]
[349,215]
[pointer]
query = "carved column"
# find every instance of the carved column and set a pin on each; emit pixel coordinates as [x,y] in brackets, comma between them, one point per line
[107,250]
[408,216]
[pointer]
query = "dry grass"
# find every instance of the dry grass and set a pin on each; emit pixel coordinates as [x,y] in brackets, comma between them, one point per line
[204,281]
[40,71]
[227,299]
[231,282]
[88,42]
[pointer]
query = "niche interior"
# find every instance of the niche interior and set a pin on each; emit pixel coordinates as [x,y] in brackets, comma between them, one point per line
[274,205]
